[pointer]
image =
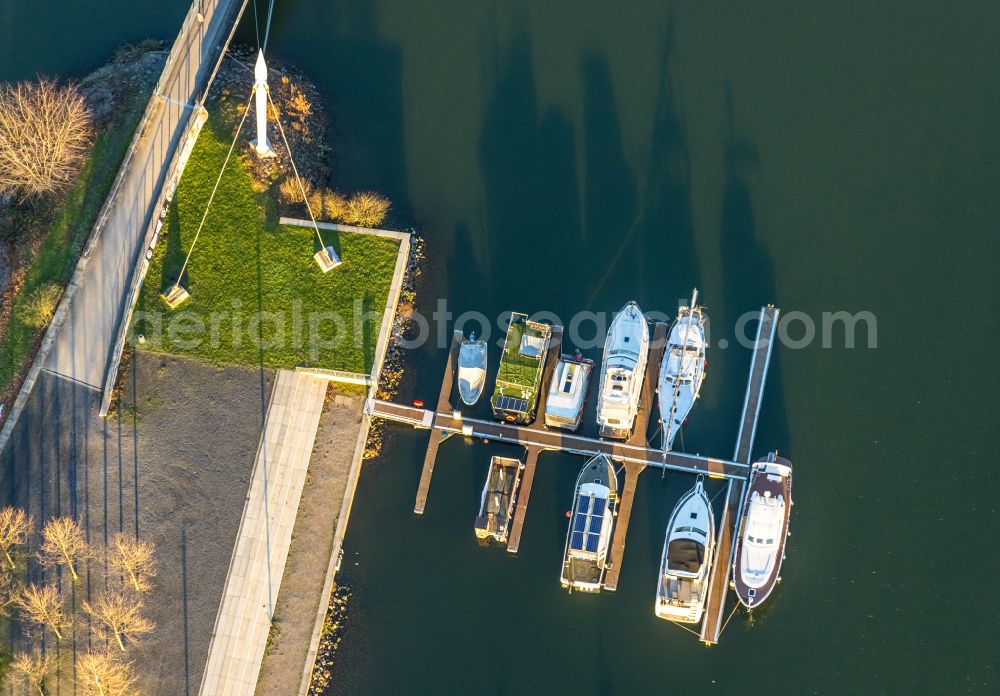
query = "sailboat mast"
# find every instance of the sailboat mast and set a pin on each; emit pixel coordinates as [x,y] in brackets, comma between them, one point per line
[677,382]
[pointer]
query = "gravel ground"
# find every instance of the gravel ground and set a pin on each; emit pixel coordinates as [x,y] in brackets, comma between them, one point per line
[178,470]
[196,448]
[312,542]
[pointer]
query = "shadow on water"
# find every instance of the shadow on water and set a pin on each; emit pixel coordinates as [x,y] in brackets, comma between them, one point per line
[369,152]
[750,283]
[610,208]
[668,262]
[531,199]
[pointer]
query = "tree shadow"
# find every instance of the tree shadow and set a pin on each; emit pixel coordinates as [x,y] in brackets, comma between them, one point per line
[369,333]
[173,256]
[330,238]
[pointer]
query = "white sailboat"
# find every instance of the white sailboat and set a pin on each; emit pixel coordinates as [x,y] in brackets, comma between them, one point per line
[687,558]
[682,369]
[625,353]
[471,370]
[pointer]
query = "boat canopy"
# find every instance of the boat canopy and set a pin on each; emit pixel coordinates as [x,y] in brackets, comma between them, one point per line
[685,555]
[533,346]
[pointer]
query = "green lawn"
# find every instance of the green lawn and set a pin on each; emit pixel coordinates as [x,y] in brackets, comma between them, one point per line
[250,277]
[63,242]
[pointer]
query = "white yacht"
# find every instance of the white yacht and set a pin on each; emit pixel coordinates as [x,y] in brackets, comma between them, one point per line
[687,558]
[568,392]
[471,370]
[760,547]
[624,365]
[682,370]
[588,536]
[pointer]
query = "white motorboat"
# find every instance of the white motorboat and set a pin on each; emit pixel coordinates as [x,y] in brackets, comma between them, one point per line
[588,536]
[625,353]
[760,547]
[471,370]
[687,558]
[682,370]
[568,392]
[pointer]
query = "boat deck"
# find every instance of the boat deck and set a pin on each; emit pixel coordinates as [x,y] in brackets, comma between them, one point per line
[776,487]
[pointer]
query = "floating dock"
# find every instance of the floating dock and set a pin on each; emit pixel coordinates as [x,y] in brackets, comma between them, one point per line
[634,454]
[715,604]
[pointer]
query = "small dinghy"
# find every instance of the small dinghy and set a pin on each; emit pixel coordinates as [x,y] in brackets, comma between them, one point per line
[760,547]
[496,507]
[471,370]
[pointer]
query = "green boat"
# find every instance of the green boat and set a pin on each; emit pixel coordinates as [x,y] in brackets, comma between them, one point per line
[519,377]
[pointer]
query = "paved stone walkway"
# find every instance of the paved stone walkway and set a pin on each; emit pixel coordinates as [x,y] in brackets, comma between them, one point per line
[258,563]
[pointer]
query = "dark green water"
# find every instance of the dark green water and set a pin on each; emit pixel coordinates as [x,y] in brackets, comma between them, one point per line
[569,157]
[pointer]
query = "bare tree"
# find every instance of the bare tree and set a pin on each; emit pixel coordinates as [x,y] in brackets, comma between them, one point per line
[43,607]
[44,130]
[14,528]
[63,543]
[10,590]
[98,674]
[33,668]
[119,616]
[134,559]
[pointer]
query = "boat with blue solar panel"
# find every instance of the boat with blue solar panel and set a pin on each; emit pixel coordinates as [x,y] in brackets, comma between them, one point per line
[591,523]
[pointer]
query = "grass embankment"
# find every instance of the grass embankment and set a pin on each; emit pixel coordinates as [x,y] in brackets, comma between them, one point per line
[249,277]
[62,244]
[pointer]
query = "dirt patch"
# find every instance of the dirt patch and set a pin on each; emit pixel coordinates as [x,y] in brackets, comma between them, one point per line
[299,599]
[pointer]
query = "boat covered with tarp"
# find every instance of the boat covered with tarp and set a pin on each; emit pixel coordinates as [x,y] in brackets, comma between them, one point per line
[496,507]
[519,376]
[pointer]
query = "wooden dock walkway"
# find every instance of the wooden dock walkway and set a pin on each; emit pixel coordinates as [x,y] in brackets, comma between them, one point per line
[639,438]
[632,471]
[437,435]
[523,495]
[715,605]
